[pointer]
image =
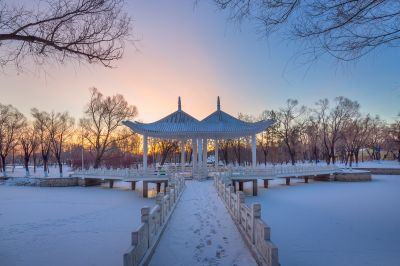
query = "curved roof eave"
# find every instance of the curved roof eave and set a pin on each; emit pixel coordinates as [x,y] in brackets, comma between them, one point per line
[180,125]
[194,131]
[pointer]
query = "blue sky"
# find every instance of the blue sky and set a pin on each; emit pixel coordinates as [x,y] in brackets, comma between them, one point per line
[193,51]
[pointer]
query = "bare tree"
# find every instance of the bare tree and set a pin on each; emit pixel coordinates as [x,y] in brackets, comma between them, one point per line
[290,126]
[355,134]
[166,147]
[345,29]
[394,135]
[130,141]
[312,134]
[103,116]
[224,147]
[29,142]
[41,125]
[11,121]
[377,132]
[60,126]
[267,139]
[333,121]
[89,30]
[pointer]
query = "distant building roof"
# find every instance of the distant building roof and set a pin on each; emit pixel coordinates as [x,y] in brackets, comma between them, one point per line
[180,125]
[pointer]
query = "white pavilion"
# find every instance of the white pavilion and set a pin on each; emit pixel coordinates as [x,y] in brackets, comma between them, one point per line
[183,127]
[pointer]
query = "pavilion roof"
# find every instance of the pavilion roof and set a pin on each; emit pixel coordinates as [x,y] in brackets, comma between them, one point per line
[180,125]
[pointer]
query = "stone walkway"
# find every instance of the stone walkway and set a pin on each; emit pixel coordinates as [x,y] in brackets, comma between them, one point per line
[201,232]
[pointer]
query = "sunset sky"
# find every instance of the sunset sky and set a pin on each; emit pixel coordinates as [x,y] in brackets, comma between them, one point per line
[193,51]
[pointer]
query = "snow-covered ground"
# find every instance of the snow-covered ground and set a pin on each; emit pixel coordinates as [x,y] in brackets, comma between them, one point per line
[378,164]
[334,223]
[365,164]
[19,171]
[201,232]
[77,226]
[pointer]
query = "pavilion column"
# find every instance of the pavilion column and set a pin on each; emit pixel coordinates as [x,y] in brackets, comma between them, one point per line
[194,152]
[145,150]
[205,152]
[216,153]
[253,150]
[200,151]
[183,153]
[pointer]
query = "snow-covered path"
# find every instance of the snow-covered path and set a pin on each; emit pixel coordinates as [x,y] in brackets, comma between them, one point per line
[201,232]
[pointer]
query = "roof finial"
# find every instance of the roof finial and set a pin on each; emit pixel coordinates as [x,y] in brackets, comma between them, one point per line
[218,104]
[179,103]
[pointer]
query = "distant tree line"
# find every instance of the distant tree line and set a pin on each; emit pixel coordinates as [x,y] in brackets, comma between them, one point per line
[54,137]
[329,131]
[326,132]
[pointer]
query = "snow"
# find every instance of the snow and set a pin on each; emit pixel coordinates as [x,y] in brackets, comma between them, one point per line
[333,223]
[321,223]
[54,172]
[68,225]
[201,232]
[378,164]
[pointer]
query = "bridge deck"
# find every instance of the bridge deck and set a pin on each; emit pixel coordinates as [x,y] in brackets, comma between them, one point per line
[156,179]
[241,178]
[201,232]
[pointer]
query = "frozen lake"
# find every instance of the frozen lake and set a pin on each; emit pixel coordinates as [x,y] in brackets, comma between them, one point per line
[67,226]
[334,223]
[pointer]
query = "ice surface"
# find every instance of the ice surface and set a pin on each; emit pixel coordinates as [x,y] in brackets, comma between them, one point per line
[201,232]
[67,226]
[334,223]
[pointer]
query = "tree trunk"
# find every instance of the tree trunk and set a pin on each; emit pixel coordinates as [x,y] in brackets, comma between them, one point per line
[97,161]
[13,160]
[26,163]
[60,168]
[265,158]
[34,163]
[45,166]
[163,158]
[3,165]
[225,152]
[292,158]
[351,159]
[333,154]
[356,153]
[239,157]
[316,154]
[398,156]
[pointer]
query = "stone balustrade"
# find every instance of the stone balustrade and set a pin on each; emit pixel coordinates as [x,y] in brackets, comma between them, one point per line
[153,223]
[281,170]
[254,230]
[125,172]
